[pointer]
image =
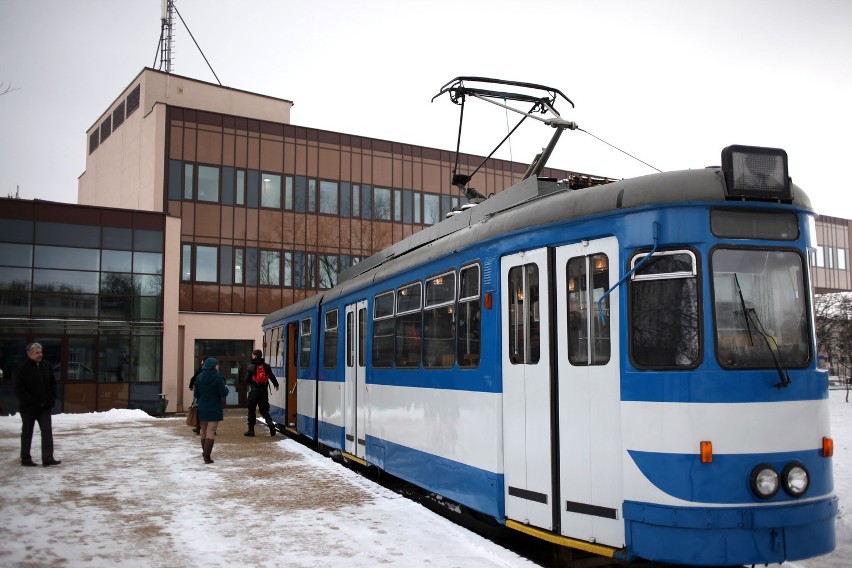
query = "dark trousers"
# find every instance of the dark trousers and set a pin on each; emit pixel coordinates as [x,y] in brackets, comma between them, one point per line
[45,424]
[258,399]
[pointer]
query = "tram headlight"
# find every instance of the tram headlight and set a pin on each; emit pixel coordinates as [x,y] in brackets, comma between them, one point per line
[764,481]
[795,479]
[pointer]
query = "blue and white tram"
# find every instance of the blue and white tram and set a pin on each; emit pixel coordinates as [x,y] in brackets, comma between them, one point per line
[627,369]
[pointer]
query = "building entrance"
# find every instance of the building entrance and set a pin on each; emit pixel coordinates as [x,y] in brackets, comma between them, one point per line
[234,357]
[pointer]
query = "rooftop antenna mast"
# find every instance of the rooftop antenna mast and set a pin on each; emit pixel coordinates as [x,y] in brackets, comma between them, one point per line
[164,49]
[167,41]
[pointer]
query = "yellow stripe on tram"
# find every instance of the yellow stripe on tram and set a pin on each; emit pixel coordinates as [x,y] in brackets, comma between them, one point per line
[356,459]
[598,549]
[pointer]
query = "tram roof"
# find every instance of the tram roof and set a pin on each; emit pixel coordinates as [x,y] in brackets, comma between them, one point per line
[526,204]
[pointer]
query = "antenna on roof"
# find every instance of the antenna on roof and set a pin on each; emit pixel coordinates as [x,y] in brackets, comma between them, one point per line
[167,40]
[164,48]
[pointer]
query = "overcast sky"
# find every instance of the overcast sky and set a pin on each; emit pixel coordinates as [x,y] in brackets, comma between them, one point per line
[670,82]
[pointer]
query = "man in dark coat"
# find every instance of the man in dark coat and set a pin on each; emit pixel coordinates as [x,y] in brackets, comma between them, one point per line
[35,388]
[258,396]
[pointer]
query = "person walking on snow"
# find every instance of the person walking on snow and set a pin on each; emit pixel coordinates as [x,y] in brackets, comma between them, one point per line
[258,377]
[210,392]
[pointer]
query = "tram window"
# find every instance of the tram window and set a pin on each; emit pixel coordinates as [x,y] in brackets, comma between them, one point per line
[305,351]
[523,316]
[362,337]
[383,330]
[757,292]
[664,311]
[330,344]
[408,325]
[267,344]
[469,320]
[350,329]
[438,321]
[588,339]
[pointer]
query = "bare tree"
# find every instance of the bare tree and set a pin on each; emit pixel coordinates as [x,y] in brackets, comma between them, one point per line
[833,320]
[7,88]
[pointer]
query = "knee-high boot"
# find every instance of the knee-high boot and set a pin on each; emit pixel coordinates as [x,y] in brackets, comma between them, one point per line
[203,445]
[208,449]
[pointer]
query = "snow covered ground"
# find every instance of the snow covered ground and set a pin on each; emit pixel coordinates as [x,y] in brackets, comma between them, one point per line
[132,490]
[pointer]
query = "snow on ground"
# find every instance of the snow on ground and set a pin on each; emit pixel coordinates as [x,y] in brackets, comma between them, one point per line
[133,490]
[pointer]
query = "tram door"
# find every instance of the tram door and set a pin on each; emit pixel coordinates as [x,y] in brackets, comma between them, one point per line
[587,356]
[355,386]
[527,432]
[292,379]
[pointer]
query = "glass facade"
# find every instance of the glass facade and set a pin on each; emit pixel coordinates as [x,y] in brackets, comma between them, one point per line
[91,294]
[273,212]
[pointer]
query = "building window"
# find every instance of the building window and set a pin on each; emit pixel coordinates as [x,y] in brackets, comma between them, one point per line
[206,263]
[241,187]
[327,271]
[345,199]
[175,169]
[310,271]
[820,256]
[299,270]
[382,204]
[288,269]
[829,257]
[270,193]
[301,194]
[366,201]
[133,100]
[238,265]
[288,193]
[188,174]
[186,263]
[106,128]
[251,267]
[252,185]
[312,196]
[431,208]
[227,185]
[397,205]
[841,259]
[407,201]
[417,198]
[270,268]
[208,184]
[356,201]
[118,115]
[94,140]
[328,197]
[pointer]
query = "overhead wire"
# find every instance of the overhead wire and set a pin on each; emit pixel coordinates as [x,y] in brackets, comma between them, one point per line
[620,150]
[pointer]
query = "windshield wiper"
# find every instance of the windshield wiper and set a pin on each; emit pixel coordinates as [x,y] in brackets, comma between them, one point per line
[771,343]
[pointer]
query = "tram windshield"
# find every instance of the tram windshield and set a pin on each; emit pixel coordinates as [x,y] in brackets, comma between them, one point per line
[760,308]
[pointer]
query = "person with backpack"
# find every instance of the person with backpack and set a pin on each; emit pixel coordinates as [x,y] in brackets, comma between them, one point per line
[258,377]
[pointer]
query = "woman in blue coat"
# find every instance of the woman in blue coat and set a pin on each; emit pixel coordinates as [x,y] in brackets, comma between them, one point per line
[210,392]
